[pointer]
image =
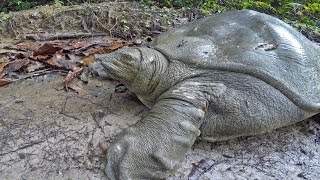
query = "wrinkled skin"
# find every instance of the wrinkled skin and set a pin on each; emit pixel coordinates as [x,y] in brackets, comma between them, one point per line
[213,88]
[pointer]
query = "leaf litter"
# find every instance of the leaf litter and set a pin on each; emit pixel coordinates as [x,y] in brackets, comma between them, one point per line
[203,166]
[35,58]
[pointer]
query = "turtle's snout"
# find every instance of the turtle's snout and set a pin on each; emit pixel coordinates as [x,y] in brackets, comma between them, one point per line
[98,57]
[121,65]
[103,57]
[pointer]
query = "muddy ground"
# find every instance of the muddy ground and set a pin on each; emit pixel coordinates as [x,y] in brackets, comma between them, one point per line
[49,133]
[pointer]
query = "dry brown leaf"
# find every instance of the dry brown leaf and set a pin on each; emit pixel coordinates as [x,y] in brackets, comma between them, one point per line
[81,44]
[5,81]
[49,59]
[3,62]
[17,65]
[114,46]
[41,57]
[29,46]
[47,49]
[2,74]
[21,56]
[71,75]
[87,60]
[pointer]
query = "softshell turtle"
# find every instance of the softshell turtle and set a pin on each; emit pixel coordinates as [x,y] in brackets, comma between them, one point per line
[232,74]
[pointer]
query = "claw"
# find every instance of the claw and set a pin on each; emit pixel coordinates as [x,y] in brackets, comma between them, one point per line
[165,163]
[115,156]
[182,141]
[188,126]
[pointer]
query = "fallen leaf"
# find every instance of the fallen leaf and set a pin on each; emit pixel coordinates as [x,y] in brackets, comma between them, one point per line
[17,65]
[80,44]
[57,60]
[34,65]
[71,75]
[61,61]
[30,46]
[87,60]
[47,49]
[114,46]
[41,57]
[2,74]
[204,165]
[3,63]
[21,56]
[5,81]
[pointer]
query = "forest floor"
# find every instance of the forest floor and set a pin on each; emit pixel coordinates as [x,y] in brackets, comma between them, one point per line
[57,120]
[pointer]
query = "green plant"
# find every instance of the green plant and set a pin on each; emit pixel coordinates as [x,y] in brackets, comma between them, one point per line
[17,5]
[57,2]
[5,17]
[303,14]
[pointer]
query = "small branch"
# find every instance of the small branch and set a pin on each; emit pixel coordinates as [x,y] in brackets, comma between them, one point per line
[62,36]
[23,147]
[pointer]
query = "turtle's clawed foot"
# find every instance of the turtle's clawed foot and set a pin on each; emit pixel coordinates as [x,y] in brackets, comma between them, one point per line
[136,156]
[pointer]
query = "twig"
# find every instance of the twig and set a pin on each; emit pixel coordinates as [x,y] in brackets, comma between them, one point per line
[103,26]
[62,36]
[37,74]
[23,147]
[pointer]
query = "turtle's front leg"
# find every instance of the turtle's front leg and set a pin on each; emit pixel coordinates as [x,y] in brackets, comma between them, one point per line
[157,144]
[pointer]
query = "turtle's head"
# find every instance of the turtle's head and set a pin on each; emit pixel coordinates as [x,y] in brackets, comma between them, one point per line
[137,68]
[122,65]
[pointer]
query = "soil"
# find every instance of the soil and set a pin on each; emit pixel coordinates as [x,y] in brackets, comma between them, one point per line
[47,132]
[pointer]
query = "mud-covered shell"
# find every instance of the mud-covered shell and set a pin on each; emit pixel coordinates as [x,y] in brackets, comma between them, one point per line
[251,43]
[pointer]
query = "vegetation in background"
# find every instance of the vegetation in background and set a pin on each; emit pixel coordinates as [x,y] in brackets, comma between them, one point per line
[17,5]
[303,14]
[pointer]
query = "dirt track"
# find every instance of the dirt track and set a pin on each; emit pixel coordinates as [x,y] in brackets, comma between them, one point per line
[47,133]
